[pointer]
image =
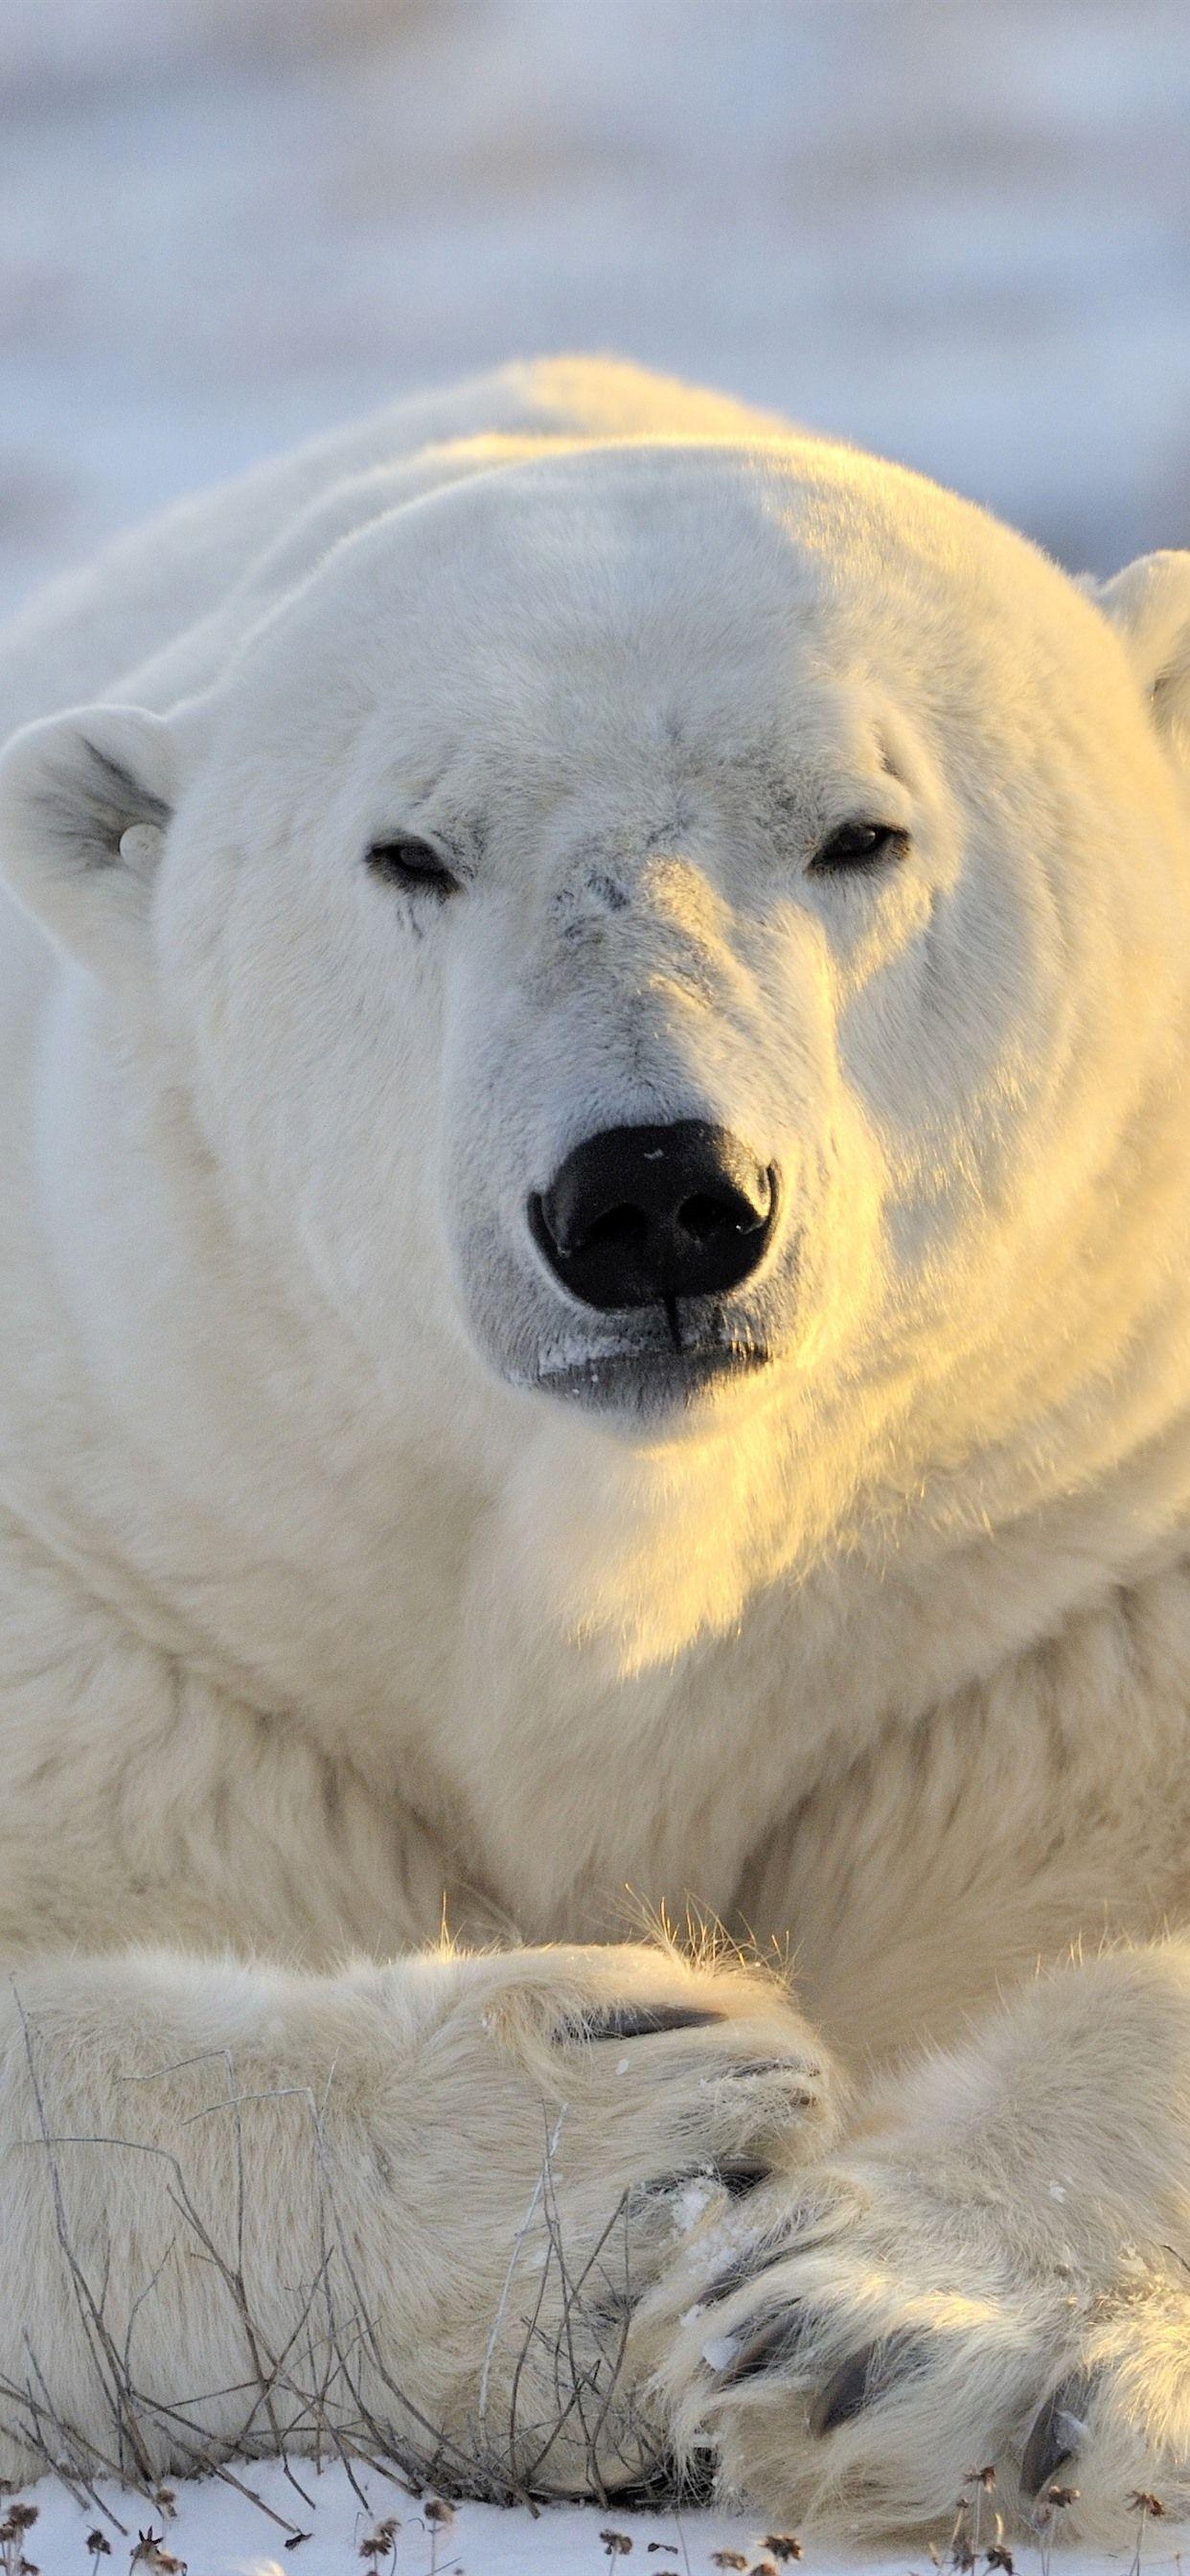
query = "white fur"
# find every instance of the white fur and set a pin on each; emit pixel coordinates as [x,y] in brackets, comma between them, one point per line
[323,1609]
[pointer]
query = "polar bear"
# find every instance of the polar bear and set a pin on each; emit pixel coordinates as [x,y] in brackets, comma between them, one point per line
[596,1291]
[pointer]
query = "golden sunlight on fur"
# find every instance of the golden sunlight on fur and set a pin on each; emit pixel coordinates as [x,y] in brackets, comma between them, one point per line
[596,1308]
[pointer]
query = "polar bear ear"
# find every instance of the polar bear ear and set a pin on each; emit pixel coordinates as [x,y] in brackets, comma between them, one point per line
[1149,606]
[84,803]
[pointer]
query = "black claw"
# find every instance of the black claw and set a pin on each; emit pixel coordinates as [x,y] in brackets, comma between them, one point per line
[738,2180]
[863,2378]
[1057,2433]
[774,2342]
[636,2021]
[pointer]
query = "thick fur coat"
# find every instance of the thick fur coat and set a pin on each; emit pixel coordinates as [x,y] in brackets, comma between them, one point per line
[386,1628]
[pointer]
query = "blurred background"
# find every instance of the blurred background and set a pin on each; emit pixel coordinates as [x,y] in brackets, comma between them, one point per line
[957,231]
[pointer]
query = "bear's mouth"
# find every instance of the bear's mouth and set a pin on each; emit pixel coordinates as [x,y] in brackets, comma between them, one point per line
[650,1381]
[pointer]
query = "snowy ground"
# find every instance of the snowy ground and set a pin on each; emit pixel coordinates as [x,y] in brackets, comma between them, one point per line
[955,230]
[215,2533]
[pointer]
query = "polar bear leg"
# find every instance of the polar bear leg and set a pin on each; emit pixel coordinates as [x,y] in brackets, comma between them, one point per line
[994,2271]
[413,2205]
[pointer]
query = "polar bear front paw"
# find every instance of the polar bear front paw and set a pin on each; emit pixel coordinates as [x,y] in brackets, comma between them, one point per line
[593,2107]
[865,2347]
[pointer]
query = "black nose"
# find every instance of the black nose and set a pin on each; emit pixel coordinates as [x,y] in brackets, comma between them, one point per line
[639,1215]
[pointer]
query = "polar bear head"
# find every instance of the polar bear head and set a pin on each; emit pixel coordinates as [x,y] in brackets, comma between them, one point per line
[669,928]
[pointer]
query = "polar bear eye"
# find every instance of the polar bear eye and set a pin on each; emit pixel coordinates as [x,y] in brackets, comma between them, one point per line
[414,864]
[860,845]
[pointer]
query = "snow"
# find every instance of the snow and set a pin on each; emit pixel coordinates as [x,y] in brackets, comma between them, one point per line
[953,233]
[218,2534]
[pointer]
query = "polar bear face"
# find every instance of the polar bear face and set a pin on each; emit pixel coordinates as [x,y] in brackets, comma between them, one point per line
[662,928]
